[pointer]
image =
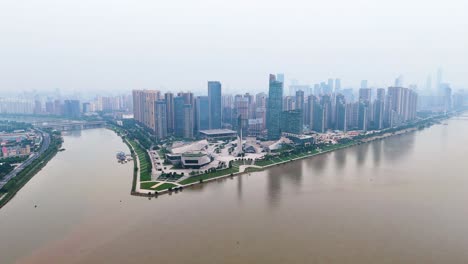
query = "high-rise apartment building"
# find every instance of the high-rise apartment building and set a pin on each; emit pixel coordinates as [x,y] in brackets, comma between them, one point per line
[188,121]
[169,98]
[72,108]
[401,105]
[179,116]
[144,109]
[161,119]
[379,109]
[340,112]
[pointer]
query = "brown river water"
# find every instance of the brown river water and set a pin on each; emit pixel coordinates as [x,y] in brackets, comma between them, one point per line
[403,199]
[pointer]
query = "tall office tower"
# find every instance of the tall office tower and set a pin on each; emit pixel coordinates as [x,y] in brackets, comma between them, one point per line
[299,87]
[330,86]
[274,108]
[202,113]
[365,109]
[299,105]
[348,94]
[214,95]
[317,89]
[365,94]
[352,115]
[311,102]
[326,103]
[379,108]
[72,108]
[227,108]
[291,122]
[319,117]
[161,119]
[299,100]
[323,88]
[280,78]
[188,120]
[399,81]
[337,85]
[288,103]
[241,110]
[305,112]
[188,99]
[364,84]
[179,116]
[363,119]
[169,98]
[340,120]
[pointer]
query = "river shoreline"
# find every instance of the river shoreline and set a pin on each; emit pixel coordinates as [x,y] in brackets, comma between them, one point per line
[370,138]
[30,171]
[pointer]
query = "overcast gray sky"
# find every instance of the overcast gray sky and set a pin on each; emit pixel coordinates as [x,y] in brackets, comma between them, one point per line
[180,44]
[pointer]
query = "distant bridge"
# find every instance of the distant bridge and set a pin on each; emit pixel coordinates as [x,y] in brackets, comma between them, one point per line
[69,125]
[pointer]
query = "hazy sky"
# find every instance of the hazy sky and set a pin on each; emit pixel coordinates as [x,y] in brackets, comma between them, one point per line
[180,44]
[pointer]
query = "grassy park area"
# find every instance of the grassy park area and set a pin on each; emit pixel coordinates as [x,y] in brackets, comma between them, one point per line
[161,187]
[145,162]
[210,175]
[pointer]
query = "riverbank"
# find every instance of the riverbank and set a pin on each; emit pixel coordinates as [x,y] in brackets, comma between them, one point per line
[8,191]
[241,166]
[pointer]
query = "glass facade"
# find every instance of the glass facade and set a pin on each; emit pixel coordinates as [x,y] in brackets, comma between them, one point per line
[275,107]
[214,95]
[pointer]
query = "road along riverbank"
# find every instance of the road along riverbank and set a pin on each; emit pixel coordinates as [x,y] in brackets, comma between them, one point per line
[52,141]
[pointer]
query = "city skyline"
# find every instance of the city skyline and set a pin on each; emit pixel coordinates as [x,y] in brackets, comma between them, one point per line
[242,131]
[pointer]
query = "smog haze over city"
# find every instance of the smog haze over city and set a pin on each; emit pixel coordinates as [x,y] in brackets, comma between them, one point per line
[192,132]
[105,45]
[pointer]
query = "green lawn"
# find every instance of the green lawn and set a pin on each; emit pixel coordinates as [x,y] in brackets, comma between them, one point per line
[264,163]
[164,186]
[253,169]
[275,160]
[337,146]
[210,175]
[145,162]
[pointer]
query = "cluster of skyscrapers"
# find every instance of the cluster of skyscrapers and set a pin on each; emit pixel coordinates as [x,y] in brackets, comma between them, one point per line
[181,115]
[326,107]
